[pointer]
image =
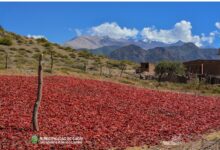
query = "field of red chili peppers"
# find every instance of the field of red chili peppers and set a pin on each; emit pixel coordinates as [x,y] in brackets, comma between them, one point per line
[106,115]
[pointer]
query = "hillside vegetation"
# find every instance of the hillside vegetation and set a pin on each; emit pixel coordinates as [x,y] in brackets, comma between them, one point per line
[20,54]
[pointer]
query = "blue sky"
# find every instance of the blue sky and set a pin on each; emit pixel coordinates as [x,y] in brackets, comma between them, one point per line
[59,21]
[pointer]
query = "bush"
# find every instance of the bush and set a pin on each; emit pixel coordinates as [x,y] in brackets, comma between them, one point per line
[113,64]
[85,54]
[47,45]
[72,55]
[69,49]
[41,40]
[5,41]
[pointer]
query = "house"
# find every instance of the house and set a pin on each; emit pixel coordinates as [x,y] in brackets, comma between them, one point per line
[206,69]
[147,68]
[203,67]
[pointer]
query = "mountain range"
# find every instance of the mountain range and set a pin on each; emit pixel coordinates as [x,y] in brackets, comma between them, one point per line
[94,42]
[140,51]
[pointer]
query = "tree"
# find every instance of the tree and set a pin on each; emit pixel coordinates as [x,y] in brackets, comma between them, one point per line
[122,66]
[110,66]
[85,64]
[169,68]
[98,62]
[39,96]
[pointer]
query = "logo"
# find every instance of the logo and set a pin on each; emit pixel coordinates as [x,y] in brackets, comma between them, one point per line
[34,139]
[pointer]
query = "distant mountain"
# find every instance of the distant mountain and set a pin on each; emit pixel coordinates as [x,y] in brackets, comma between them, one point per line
[94,42]
[152,44]
[105,50]
[130,52]
[185,52]
[137,51]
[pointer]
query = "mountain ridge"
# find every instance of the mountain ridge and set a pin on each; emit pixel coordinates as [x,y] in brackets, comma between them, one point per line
[95,42]
[186,52]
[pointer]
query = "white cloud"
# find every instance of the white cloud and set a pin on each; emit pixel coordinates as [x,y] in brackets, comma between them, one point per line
[217,24]
[181,31]
[113,30]
[78,32]
[36,36]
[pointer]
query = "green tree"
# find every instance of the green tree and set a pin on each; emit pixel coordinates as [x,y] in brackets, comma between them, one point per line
[169,68]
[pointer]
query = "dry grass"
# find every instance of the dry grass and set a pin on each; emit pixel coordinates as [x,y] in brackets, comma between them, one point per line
[208,142]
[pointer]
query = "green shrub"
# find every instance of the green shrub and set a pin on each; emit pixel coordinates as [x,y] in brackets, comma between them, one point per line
[41,40]
[85,54]
[5,41]
[69,49]
[47,45]
[73,55]
[113,64]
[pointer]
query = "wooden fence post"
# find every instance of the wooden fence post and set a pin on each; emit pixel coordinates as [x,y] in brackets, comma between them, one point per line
[6,60]
[51,63]
[100,69]
[39,95]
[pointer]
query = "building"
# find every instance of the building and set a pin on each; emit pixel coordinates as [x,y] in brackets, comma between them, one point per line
[147,68]
[208,70]
[203,67]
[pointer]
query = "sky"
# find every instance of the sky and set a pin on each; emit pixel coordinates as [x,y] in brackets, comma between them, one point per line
[168,22]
